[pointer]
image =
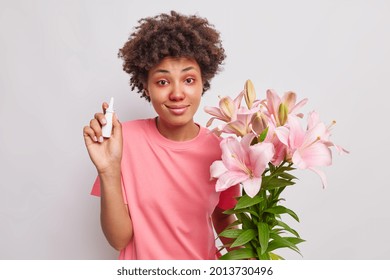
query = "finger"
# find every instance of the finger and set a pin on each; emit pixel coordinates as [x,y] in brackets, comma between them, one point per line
[104,107]
[97,129]
[116,126]
[101,118]
[89,135]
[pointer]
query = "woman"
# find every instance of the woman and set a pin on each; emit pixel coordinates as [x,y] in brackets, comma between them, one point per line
[157,199]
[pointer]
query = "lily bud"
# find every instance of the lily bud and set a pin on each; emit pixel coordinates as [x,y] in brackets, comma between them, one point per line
[282,114]
[259,122]
[236,128]
[289,99]
[227,106]
[249,93]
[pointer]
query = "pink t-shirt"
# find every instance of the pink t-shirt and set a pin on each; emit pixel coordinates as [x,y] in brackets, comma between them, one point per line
[170,196]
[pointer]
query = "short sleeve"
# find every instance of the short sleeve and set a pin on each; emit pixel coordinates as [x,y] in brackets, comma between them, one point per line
[96,189]
[227,198]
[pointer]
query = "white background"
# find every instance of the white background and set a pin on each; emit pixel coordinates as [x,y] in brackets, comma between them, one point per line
[58,62]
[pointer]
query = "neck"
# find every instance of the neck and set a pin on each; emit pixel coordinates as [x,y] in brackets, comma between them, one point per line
[178,133]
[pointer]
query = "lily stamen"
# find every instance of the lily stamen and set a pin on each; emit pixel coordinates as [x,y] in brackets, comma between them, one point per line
[242,165]
[315,141]
[331,125]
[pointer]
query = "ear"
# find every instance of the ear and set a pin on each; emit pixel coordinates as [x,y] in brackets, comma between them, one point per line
[146,92]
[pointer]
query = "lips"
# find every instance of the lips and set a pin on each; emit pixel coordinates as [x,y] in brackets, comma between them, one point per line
[177,109]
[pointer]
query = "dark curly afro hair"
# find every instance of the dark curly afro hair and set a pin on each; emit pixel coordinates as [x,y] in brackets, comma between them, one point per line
[172,35]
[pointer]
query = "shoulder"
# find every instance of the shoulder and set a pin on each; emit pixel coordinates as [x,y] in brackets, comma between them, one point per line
[210,136]
[135,125]
[135,129]
[209,139]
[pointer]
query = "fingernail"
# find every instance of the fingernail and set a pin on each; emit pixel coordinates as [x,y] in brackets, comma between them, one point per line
[95,139]
[101,139]
[104,121]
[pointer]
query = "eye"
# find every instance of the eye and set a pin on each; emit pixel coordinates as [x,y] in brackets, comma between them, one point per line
[162,82]
[189,80]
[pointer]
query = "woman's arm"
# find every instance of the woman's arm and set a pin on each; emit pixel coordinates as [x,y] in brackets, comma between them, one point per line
[114,215]
[220,222]
[106,155]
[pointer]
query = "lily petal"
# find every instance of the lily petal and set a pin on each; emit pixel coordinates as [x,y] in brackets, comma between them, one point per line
[252,186]
[227,107]
[322,176]
[312,119]
[298,106]
[317,154]
[289,98]
[297,135]
[341,150]
[210,121]
[237,127]
[217,168]
[233,155]
[214,111]
[260,155]
[250,94]
[229,179]
[282,133]
[273,102]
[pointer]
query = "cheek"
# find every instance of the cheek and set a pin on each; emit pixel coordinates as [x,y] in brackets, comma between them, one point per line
[195,100]
[156,104]
[196,92]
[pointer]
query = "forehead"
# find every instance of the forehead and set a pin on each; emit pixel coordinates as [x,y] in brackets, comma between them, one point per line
[175,64]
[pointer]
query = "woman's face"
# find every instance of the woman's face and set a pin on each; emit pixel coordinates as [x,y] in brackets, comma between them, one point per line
[175,89]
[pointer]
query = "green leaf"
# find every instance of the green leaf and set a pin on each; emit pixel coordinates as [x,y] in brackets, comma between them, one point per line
[287,228]
[263,135]
[287,176]
[265,256]
[247,222]
[274,256]
[286,168]
[244,237]
[274,183]
[246,201]
[281,242]
[282,210]
[261,256]
[239,254]
[294,240]
[234,224]
[263,232]
[244,210]
[258,251]
[231,233]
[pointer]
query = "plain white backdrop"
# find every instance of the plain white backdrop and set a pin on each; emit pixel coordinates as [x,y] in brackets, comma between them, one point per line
[58,63]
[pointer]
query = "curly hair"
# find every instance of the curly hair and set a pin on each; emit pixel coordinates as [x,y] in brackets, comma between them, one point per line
[173,35]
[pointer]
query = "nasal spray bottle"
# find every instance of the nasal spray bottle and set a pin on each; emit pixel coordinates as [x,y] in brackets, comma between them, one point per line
[107,128]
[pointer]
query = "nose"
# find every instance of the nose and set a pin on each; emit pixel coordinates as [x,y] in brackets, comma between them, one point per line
[177,93]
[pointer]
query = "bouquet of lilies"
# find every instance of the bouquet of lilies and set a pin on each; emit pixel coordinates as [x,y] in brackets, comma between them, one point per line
[267,142]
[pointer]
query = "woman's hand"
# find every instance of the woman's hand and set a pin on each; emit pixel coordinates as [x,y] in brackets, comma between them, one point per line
[105,153]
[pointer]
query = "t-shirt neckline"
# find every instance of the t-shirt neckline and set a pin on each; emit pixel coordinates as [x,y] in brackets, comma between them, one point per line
[158,138]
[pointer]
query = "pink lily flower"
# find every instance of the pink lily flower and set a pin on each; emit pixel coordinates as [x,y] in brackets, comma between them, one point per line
[307,149]
[241,126]
[227,111]
[260,122]
[282,108]
[241,163]
[280,148]
[313,120]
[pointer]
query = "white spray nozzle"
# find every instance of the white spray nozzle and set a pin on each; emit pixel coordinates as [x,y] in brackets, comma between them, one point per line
[107,128]
[110,108]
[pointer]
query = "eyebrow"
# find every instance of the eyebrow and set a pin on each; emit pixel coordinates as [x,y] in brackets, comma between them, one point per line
[166,71]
